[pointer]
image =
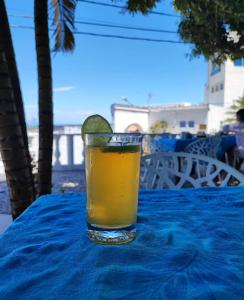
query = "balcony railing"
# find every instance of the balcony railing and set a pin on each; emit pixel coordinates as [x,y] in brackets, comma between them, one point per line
[67,152]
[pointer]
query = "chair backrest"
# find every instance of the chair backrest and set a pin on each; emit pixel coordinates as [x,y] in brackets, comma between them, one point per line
[205,146]
[149,143]
[182,170]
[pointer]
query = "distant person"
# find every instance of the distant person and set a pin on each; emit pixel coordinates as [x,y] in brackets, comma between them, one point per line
[201,134]
[238,125]
[238,129]
[186,135]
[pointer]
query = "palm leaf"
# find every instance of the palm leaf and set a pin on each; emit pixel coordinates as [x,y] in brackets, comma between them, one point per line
[64,24]
[237,104]
[229,120]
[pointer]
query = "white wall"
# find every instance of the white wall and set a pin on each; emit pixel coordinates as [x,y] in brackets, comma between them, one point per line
[216,115]
[33,144]
[234,82]
[124,118]
[215,87]
[174,116]
[1,167]
[232,79]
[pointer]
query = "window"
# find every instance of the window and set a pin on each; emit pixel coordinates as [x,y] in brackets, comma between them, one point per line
[215,69]
[216,88]
[239,62]
[212,90]
[202,127]
[221,86]
[182,124]
[191,124]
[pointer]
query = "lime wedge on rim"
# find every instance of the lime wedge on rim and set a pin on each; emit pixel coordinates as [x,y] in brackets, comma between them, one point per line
[95,124]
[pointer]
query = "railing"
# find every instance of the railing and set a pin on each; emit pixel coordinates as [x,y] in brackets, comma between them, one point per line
[68,152]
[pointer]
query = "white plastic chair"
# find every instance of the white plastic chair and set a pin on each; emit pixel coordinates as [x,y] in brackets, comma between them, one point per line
[177,170]
[205,146]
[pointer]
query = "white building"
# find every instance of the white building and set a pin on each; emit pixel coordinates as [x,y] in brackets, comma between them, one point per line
[225,83]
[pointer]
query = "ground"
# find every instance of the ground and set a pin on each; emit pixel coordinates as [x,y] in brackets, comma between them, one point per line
[63,182]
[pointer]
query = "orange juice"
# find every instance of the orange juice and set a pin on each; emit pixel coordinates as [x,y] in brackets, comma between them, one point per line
[112,174]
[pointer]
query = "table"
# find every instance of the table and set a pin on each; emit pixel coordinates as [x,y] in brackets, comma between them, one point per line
[174,145]
[190,245]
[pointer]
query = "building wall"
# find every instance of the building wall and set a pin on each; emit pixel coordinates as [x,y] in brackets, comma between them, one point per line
[216,115]
[215,87]
[174,116]
[234,82]
[124,118]
[226,85]
[210,117]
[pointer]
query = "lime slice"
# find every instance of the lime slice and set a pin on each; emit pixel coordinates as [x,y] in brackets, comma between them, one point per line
[95,124]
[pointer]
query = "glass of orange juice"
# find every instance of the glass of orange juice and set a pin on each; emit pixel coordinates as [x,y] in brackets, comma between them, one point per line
[112,178]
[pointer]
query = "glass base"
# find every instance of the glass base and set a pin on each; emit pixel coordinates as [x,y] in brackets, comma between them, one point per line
[114,236]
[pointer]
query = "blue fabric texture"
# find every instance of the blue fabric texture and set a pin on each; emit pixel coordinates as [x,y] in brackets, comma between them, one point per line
[174,145]
[227,144]
[190,245]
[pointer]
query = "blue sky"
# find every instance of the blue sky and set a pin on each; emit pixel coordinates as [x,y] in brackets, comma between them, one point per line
[101,70]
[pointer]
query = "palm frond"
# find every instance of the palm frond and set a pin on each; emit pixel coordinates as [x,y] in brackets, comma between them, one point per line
[64,14]
[231,114]
[229,120]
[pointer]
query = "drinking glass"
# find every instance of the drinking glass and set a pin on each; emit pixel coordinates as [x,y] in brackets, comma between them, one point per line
[112,178]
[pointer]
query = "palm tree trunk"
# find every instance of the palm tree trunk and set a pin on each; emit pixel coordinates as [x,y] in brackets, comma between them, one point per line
[10,56]
[12,144]
[13,73]
[45,97]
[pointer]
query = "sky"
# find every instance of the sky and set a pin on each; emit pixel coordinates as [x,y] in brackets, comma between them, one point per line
[101,71]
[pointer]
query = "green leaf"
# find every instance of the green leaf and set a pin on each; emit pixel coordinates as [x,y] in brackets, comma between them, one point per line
[159,127]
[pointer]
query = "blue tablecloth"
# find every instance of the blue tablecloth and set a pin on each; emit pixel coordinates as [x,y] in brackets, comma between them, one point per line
[190,245]
[174,145]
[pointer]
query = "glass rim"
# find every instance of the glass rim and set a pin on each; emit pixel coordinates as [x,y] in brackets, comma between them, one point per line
[114,133]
